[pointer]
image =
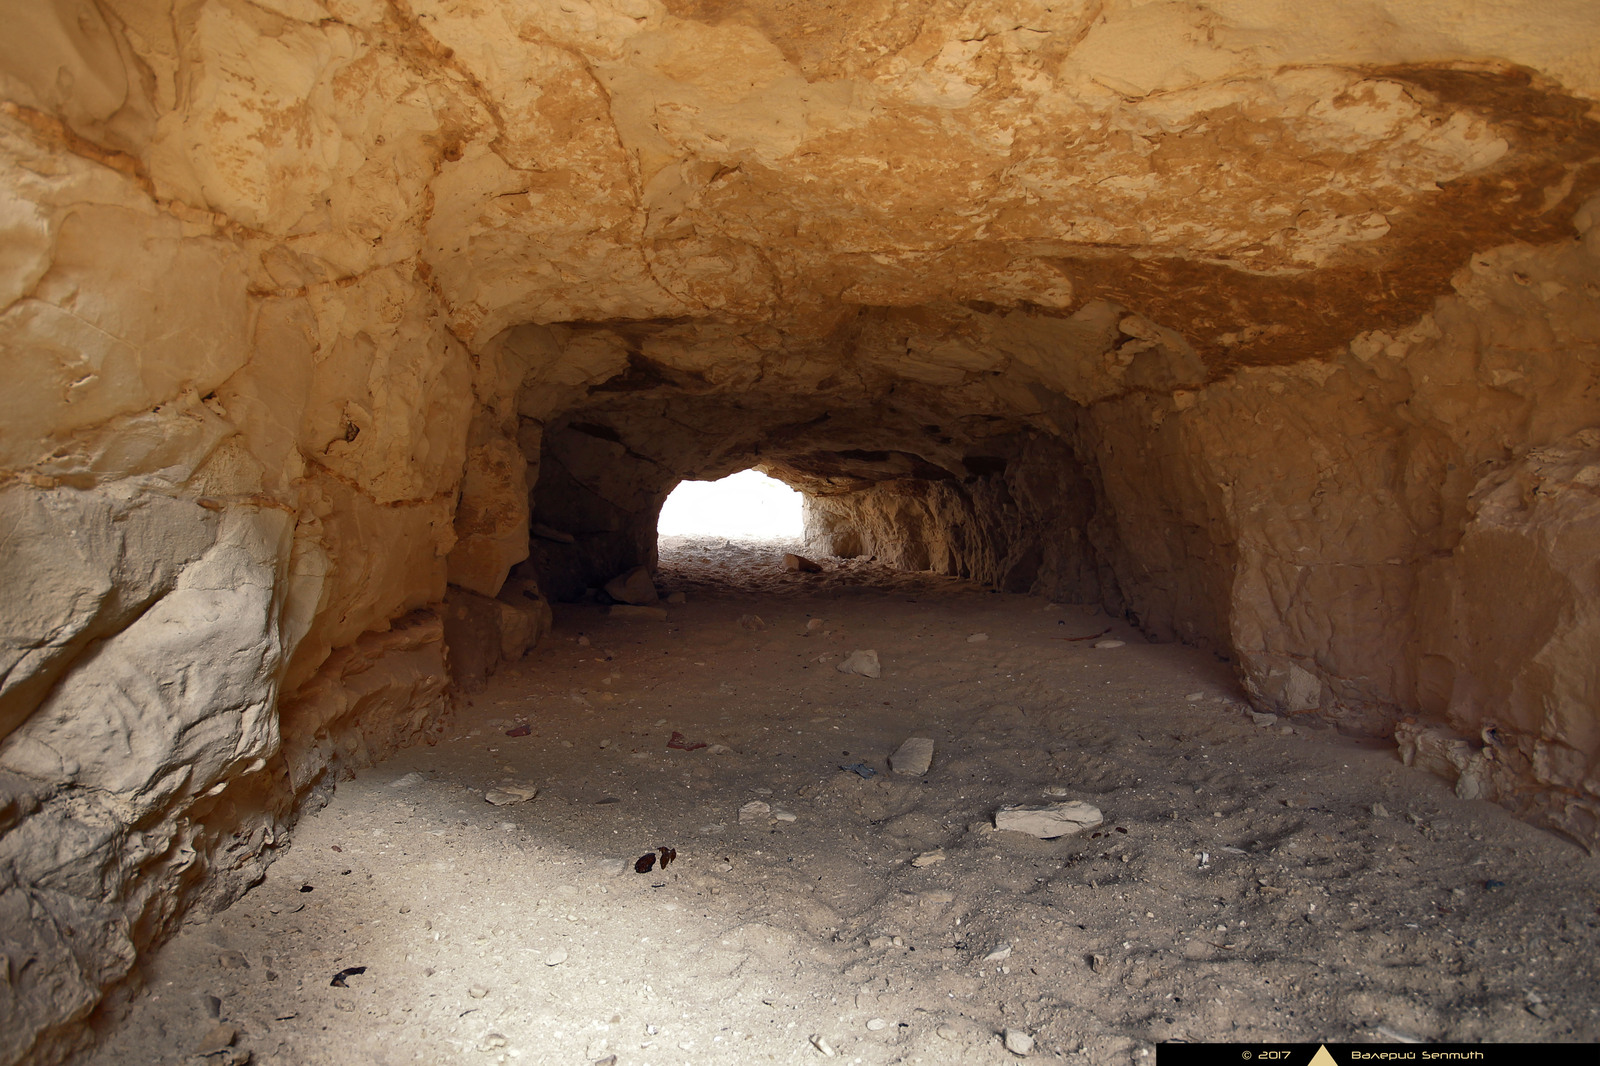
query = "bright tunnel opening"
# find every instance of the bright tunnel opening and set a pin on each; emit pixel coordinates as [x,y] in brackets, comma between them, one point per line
[748,505]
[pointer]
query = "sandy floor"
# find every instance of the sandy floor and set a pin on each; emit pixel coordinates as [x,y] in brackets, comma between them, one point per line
[1250,881]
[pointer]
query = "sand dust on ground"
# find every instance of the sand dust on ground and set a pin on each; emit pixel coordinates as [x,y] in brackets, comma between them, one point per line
[1250,880]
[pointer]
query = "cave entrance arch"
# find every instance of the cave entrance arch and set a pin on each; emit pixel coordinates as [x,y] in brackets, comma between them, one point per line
[748,505]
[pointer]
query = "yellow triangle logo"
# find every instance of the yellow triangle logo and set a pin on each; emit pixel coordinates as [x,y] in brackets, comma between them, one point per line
[1322,1058]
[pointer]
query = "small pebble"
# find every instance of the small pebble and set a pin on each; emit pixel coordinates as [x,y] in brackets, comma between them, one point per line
[477,991]
[928,858]
[1107,644]
[877,1025]
[1019,1042]
[822,1045]
[556,957]
[219,1037]
[977,638]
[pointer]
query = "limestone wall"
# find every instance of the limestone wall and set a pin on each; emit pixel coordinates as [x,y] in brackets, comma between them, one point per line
[231,438]
[1018,520]
[1399,530]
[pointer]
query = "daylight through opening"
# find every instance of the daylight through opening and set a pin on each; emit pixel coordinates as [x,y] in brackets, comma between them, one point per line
[748,505]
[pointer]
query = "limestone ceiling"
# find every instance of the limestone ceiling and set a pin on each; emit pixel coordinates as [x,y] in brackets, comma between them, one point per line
[931,190]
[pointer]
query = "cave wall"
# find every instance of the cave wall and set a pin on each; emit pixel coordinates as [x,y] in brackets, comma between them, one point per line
[1395,530]
[1283,337]
[1018,520]
[231,442]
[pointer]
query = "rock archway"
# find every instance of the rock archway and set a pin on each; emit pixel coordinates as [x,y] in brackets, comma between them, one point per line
[1276,332]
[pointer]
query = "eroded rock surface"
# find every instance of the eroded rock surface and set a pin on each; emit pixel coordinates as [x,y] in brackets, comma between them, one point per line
[1275,331]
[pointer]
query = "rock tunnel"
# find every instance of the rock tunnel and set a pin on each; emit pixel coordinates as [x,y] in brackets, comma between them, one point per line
[341,337]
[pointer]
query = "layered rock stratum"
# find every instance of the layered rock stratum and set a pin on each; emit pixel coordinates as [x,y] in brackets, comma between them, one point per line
[1274,327]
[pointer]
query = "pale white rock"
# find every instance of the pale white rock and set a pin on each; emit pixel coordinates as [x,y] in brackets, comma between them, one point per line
[1000,953]
[1108,644]
[1050,820]
[977,638]
[506,795]
[877,1025]
[410,780]
[80,565]
[756,812]
[913,757]
[179,728]
[929,858]
[633,587]
[1019,1042]
[556,957]
[861,663]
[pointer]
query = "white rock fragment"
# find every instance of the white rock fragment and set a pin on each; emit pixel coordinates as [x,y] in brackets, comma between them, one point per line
[861,663]
[928,858]
[410,780]
[556,957]
[1019,1043]
[1263,720]
[1049,820]
[755,812]
[1109,643]
[977,638]
[1001,953]
[1195,697]
[822,1045]
[913,757]
[634,587]
[782,815]
[506,795]
[877,1025]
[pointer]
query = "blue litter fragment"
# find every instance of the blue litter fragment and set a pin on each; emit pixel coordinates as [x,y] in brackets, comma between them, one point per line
[861,768]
